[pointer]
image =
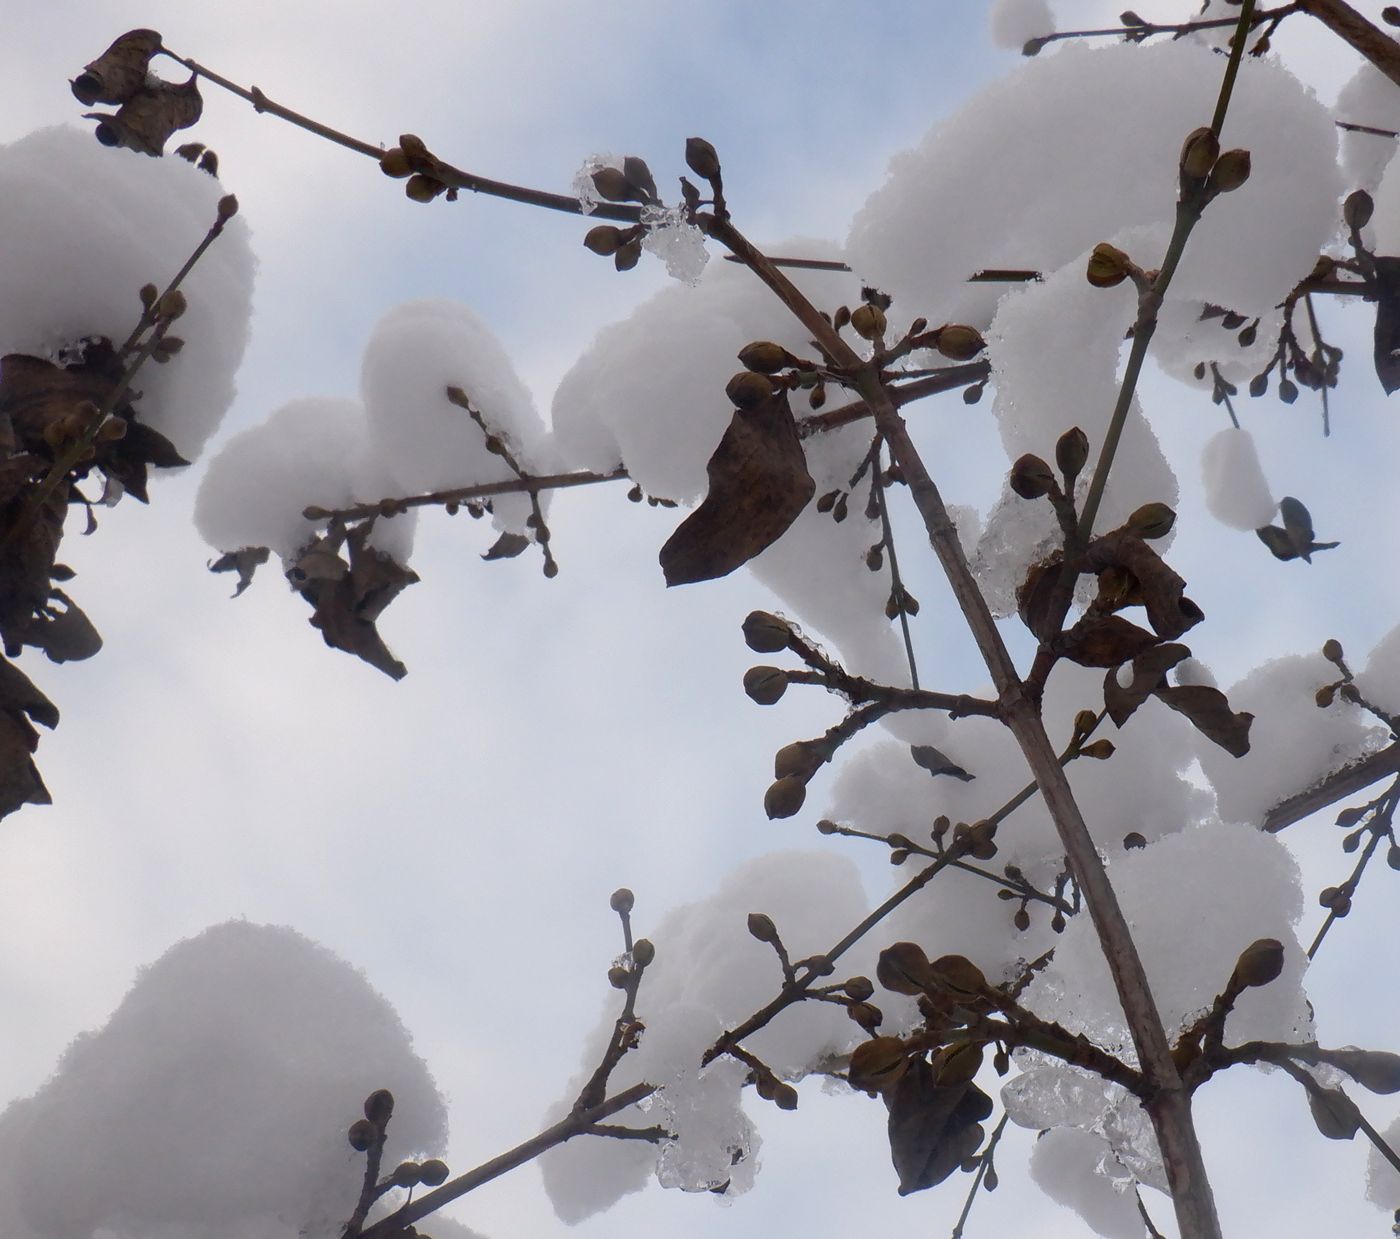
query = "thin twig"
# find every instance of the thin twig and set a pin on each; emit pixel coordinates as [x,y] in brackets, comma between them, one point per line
[984,1161]
[896,584]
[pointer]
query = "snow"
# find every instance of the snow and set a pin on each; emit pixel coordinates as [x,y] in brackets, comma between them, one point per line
[1382,1179]
[1097,133]
[1380,681]
[415,352]
[85,227]
[1078,1170]
[1293,743]
[1237,493]
[1369,98]
[676,241]
[311,451]
[709,974]
[214,1102]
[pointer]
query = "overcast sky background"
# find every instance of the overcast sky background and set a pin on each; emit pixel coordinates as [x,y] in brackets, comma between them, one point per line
[457,835]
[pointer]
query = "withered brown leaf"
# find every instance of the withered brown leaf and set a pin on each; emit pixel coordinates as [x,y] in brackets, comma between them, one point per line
[759,484]
[147,119]
[120,71]
[1149,667]
[932,1127]
[1387,335]
[1159,590]
[1210,713]
[1103,641]
[507,546]
[245,562]
[20,701]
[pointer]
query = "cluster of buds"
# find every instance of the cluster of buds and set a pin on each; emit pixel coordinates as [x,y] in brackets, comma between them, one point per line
[1205,170]
[411,160]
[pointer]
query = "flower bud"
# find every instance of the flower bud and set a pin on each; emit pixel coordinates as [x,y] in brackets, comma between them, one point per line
[959,343]
[603,240]
[395,162]
[765,685]
[406,1174]
[868,321]
[748,389]
[422,188]
[618,976]
[765,633]
[1108,265]
[361,1135]
[1332,650]
[784,798]
[1152,520]
[1356,210]
[701,158]
[904,968]
[1230,172]
[433,1172]
[1198,155]
[1259,963]
[1071,452]
[643,952]
[228,208]
[761,927]
[379,1105]
[1031,477]
[859,988]
[622,900]
[765,356]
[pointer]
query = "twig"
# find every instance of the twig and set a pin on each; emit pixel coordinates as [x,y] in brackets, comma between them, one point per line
[1346,782]
[984,1161]
[1372,42]
[896,584]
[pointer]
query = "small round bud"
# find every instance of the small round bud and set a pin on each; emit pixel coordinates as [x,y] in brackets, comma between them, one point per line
[621,900]
[406,1174]
[1230,172]
[1357,209]
[1152,520]
[748,389]
[422,188]
[761,927]
[172,305]
[1031,477]
[643,952]
[1071,452]
[395,162]
[1325,696]
[765,356]
[228,208]
[603,240]
[799,760]
[1332,650]
[612,184]
[433,1172]
[868,321]
[904,968]
[784,798]
[379,1105]
[959,343]
[827,827]
[859,988]
[1198,155]
[1022,919]
[361,1134]
[765,685]
[765,633]
[618,976]
[1099,750]
[1260,962]
[1108,265]
[701,158]
[785,1096]
[1085,722]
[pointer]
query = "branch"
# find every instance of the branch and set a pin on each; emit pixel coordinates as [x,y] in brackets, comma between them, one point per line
[565,1129]
[1365,37]
[1342,784]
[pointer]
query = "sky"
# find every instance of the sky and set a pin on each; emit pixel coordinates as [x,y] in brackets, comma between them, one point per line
[457,835]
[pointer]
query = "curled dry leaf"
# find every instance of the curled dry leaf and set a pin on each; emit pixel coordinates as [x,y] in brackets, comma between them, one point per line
[21,704]
[937,762]
[1148,670]
[1137,575]
[759,484]
[347,605]
[120,71]
[244,562]
[1103,641]
[507,546]
[1210,713]
[147,119]
[932,1127]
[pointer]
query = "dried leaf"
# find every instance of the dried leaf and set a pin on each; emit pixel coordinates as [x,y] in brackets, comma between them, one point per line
[20,702]
[64,634]
[507,546]
[244,562]
[1159,590]
[147,119]
[1387,337]
[1103,641]
[346,608]
[1210,713]
[1034,598]
[120,71]
[932,1127]
[759,484]
[936,763]
[1149,668]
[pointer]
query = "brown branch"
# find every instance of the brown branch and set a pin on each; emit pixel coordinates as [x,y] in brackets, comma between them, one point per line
[1340,785]
[565,1129]
[463,494]
[1364,36]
